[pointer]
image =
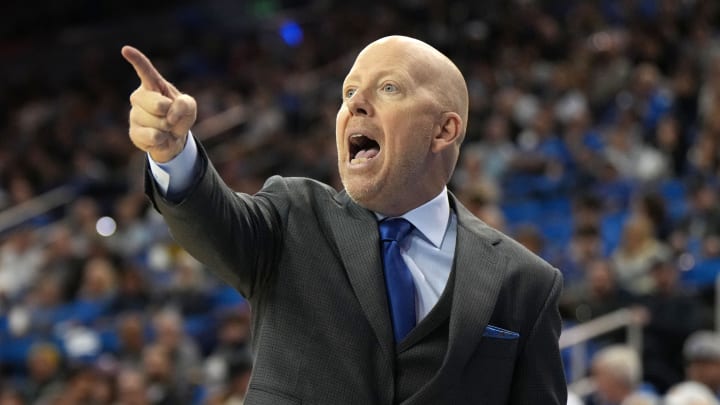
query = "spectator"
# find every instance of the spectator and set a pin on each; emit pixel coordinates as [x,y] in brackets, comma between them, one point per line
[585,246]
[690,393]
[132,234]
[160,370]
[180,348]
[490,156]
[632,158]
[131,340]
[653,207]
[9,396]
[239,369]
[86,385]
[702,222]
[21,258]
[617,373]
[702,359]
[63,260]
[187,291]
[132,388]
[133,292]
[233,343]
[530,237]
[638,249]
[44,381]
[597,295]
[98,290]
[673,315]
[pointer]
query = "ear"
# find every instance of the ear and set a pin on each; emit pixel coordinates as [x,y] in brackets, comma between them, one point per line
[448,133]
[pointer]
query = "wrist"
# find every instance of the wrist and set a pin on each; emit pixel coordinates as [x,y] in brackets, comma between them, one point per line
[169,149]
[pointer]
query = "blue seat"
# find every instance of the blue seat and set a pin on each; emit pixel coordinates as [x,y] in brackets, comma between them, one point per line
[675,195]
[556,229]
[703,274]
[226,296]
[520,212]
[611,228]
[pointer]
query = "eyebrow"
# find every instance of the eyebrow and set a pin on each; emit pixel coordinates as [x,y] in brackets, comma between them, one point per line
[380,74]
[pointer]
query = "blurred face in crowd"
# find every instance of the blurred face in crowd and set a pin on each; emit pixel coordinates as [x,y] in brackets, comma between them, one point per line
[636,233]
[130,332]
[132,387]
[600,278]
[400,125]
[705,371]
[43,362]
[168,327]
[609,386]
[98,279]
[156,363]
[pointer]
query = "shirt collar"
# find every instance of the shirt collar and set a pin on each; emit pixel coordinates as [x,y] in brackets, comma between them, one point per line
[431,218]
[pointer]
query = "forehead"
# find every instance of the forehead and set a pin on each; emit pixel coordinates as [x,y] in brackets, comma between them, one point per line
[384,60]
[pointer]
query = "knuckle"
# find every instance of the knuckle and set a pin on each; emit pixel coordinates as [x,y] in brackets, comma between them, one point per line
[134,97]
[156,136]
[189,100]
[161,106]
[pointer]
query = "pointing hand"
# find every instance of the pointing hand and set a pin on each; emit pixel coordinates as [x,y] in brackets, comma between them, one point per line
[161,116]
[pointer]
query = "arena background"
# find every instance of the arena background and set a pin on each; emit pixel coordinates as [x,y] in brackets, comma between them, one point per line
[594,139]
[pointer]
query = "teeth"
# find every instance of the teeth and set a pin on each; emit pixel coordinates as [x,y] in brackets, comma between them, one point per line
[359,160]
[356,135]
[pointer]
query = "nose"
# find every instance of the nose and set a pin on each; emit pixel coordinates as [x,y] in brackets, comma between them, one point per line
[358,104]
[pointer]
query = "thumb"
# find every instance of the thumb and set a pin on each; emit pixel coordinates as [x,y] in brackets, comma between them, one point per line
[150,78]
[182,114]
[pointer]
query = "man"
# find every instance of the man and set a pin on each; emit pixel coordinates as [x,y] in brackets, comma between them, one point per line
[329,297]
[617,374]
[701,352]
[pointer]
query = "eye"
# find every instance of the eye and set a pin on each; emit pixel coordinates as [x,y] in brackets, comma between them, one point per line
[350,92]
[389,88]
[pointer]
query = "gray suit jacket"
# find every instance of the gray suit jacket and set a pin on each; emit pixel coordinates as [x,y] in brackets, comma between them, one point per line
[308,260]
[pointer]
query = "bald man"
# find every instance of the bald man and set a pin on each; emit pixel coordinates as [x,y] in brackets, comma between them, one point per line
[449,311]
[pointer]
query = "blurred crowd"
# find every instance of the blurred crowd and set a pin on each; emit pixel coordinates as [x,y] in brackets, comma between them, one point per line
[593,139]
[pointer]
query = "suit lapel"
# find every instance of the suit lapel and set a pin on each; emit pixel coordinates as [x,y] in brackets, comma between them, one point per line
[480,271]
[358,246]
[479,274]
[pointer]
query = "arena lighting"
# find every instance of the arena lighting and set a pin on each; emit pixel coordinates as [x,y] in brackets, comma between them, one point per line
[105,226]
[291,33]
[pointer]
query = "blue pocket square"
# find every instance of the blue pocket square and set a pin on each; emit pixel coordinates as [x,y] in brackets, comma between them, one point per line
[499,333]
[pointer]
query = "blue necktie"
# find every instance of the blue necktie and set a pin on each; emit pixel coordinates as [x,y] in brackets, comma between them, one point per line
[398,280]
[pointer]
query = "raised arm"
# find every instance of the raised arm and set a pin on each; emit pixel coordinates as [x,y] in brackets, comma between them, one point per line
[236,235]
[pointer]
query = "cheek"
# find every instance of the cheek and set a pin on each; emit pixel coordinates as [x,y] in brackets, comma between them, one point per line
[340,122]
[413,137]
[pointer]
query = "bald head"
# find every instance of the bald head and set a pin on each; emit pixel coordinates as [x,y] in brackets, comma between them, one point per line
[432,69]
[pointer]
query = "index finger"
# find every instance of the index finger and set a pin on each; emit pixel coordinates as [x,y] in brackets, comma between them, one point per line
[149,76]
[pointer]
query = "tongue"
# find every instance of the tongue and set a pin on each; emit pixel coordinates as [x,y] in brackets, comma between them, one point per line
[367,153]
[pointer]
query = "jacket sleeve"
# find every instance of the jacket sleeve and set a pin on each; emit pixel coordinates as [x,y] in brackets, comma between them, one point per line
[539,376]
[238,236]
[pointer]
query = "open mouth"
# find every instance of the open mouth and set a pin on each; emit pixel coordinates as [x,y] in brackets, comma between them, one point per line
[362,148]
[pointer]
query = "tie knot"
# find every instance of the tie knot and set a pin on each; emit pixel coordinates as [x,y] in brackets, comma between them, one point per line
[394,229]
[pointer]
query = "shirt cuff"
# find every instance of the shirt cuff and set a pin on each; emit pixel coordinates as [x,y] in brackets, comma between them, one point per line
[175,176]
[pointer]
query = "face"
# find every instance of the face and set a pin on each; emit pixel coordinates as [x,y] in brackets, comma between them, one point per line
[706,372]
[608,387]
[385,129]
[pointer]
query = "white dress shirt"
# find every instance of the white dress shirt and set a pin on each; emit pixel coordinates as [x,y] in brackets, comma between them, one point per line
[428,251]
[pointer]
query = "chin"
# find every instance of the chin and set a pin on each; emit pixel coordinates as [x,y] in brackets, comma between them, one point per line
[359,195]
[364,195]
[372,201]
